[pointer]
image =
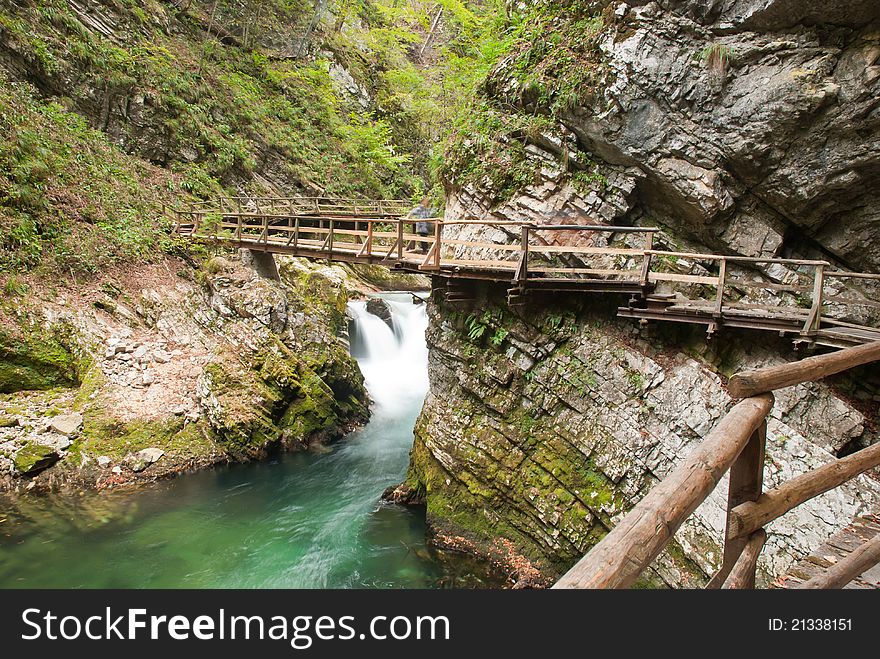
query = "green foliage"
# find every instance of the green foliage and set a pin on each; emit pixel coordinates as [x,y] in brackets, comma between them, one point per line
[68,200]
[716,57]
[547,63]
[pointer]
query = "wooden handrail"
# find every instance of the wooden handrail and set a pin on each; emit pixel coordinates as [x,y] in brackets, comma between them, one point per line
[755,381]
[862,558]
[619,559]
[750,516]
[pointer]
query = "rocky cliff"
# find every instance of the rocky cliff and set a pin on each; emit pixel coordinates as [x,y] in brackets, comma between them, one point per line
[739,127]
[159,373]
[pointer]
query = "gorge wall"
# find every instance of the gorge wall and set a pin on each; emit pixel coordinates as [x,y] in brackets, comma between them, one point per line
[738,127]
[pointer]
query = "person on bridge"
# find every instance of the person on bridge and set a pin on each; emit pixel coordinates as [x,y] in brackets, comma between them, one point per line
[423,227]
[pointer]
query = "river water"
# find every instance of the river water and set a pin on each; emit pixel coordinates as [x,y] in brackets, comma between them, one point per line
[303,520]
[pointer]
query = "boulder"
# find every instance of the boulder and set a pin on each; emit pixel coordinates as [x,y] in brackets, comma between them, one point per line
[103,461]
[33,458]
[144,458]
[68,425]
[379,307]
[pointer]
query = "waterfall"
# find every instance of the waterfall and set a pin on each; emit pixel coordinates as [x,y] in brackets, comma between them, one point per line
[393,361]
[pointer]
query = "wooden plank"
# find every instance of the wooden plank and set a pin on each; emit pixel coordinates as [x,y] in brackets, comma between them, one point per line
[751,382]
[766,286]
[482,263]
[690,279]
[852,275]
[742,576]
[737,259]
[622,555]
[482,245]
[847,568]
[585,271]
[746,482]
[572,249]
[750,516]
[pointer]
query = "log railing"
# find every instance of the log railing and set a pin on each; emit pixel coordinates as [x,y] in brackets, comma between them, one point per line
[736,444]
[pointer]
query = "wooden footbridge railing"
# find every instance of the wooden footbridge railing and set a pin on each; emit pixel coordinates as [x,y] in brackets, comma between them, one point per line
[737,445]
[554,257]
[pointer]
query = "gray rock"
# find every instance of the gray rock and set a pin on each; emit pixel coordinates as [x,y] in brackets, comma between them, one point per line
[67,424]
[150,455]
[103,461]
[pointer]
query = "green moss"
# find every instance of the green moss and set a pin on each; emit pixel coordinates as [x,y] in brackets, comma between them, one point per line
[34,457]
[103,434]
[37,358]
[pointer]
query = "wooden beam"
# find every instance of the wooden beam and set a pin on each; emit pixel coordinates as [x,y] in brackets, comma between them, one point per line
[860,560]
[750,382]
[719,293]
[746,482]
[748,517]
[742,576]
[619,559]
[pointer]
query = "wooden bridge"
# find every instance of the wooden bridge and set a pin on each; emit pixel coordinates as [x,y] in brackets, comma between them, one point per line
[822,307]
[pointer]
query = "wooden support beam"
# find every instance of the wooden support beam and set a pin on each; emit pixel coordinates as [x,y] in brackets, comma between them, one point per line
[858,561]
[719,295]
[645,277]
[748,517]
[814,320]
[746,482]
[522,268]
[742,576]
[622,555]
[752,382]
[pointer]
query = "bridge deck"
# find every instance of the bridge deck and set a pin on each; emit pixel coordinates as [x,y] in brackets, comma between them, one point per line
[833,550]
[534,258]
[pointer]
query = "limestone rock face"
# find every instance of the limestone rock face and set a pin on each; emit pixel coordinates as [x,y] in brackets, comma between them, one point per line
[743,127]
[548,436]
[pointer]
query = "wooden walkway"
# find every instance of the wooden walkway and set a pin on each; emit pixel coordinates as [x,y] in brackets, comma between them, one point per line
[534,258]
[835,549]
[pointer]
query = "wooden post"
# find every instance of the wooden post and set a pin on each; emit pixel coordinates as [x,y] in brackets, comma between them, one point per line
[438,242]
[522,268]
[719,297]
[400,224]
[754,381]
[814,320]
[742,576]
[369,238]
[746,481]
[265,235]
[330,239]
[296,232]
[646,262]
[622,555]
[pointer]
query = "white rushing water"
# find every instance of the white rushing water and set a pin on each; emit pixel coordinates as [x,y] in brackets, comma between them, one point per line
[394,361]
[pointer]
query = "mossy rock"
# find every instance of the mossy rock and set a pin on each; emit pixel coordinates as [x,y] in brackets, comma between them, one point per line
[35,360]
[33,458]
